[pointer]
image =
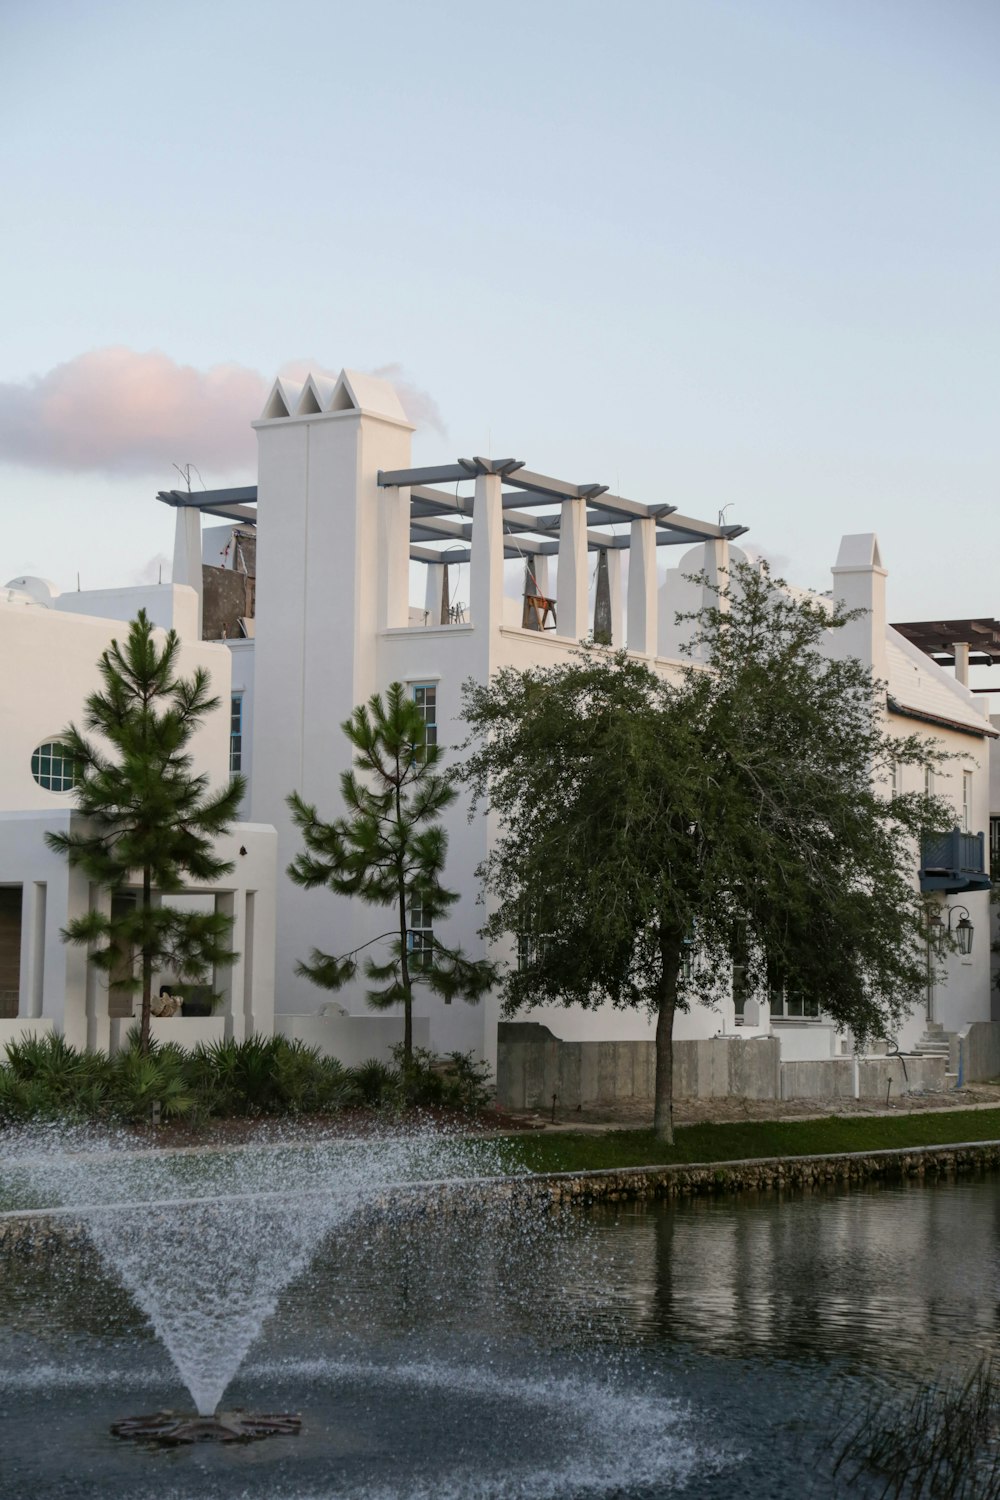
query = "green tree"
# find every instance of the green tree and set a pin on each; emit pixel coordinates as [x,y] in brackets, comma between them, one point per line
[146,813]
[647,826]
[389,849]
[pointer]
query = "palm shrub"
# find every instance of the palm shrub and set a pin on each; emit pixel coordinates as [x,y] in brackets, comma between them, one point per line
[46,1075]
[141,1079]
[376,1084]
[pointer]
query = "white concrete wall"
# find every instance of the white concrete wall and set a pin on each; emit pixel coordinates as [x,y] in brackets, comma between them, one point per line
[353,1039]
[50,665]
[169,605]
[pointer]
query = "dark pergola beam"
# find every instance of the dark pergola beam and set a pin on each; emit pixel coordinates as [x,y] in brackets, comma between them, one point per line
[465,468]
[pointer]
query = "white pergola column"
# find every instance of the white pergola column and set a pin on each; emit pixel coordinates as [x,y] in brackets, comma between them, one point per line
[434,594]
[394,558]
[642,602]
[572,583]
[187,553]
[961,650]
[717,569]
[615,591]
[486,564]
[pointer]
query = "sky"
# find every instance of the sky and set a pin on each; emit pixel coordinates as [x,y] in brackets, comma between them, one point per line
[720,253]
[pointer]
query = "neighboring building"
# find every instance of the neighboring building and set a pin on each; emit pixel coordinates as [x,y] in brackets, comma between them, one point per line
[304,591]
[50,645]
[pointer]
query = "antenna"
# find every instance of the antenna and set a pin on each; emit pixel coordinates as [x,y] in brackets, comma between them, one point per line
[185,474]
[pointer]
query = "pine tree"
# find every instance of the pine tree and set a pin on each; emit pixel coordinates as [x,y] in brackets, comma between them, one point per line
[147,813]
[389,850]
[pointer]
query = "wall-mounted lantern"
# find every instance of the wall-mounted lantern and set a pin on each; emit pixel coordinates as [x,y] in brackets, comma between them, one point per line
[963,930]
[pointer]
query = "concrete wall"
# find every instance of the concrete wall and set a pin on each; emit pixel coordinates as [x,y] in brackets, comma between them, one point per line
[352,1039]
[16,1030]
[187,1032]
[532,1065]
[50,666]
[879,1078]
[979,1051]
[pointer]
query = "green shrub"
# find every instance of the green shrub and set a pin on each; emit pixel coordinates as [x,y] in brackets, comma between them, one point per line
[375,1083]
[46,1076]
[455,1081]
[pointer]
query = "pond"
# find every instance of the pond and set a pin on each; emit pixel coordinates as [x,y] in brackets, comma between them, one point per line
[708,1348]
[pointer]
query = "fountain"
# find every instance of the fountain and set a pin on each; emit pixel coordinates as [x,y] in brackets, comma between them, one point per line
[288,1248]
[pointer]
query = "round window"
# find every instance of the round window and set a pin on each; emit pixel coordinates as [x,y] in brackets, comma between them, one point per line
[52,769]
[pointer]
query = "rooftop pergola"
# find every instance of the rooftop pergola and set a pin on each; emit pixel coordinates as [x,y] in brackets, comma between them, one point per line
[441,520]
[938,639]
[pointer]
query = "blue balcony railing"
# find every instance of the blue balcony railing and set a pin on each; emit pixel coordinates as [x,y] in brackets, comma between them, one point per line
[954,862]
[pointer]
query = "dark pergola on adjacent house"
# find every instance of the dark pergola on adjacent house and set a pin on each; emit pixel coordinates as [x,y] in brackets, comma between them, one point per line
[957,643]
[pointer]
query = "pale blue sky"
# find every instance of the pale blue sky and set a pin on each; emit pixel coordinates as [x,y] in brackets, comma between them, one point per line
[706,252]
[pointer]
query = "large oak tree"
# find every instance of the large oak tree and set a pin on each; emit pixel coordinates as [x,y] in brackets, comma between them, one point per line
[646,825]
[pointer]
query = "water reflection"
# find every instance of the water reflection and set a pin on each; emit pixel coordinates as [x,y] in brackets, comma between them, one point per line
[905,1277]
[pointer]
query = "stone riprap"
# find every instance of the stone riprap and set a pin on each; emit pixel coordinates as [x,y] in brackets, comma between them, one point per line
[40,1231]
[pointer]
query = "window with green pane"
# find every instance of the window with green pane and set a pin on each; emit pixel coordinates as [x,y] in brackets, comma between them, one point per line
[52,769]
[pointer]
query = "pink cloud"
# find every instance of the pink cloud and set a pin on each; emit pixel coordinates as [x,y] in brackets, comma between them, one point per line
[120,412]
[116,411]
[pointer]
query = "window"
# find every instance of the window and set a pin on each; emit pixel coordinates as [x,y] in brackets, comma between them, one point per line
[792,1005]
[788,1004]
[236,734]
[52,769]
[995,848]
[966,801]
[425,697]
[896,779]
[419,938]
[740,956]
[928,781]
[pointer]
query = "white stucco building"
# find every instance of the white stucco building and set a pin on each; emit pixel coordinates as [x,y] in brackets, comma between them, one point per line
[345,569]
[50,645]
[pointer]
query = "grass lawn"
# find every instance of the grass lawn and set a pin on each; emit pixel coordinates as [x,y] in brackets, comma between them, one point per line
[704,1143]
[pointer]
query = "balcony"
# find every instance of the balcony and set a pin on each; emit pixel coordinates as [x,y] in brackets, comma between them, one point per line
[954,862]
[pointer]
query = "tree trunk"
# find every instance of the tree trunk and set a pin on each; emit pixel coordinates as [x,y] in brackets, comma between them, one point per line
[147,967]
[663,1116]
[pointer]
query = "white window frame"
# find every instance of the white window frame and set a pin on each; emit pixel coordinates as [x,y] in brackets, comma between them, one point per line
[236,759]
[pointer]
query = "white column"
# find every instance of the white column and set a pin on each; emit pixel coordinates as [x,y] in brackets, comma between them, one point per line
[717,570]
[96,985]
[187,552]
[615,590]
[961,650]
[394,557]
[434,594]
[572,583]
[641,631]
[33,904]
[486,566]
[226,978]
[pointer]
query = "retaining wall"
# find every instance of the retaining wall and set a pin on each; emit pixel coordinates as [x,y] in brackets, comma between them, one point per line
[978,1052]
[878,1077]
[532,1065]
